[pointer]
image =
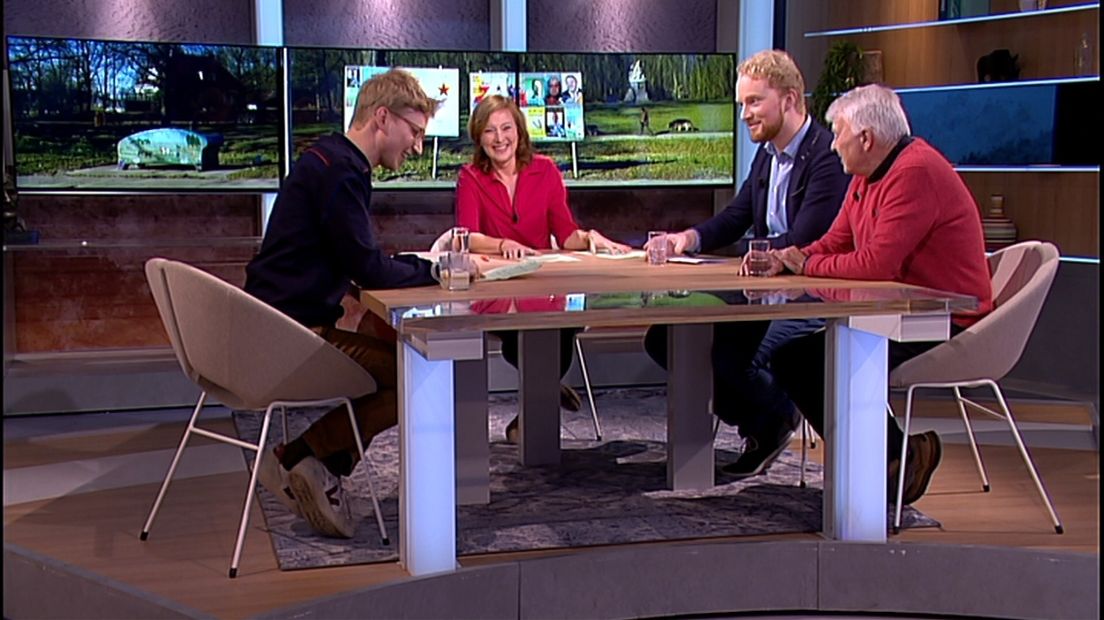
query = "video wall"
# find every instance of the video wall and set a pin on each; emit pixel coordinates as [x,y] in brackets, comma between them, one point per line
[125,116]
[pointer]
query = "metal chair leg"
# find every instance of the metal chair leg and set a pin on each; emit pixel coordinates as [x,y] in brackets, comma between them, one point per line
[589,390]
[249,492]
[367,472]
[804,451]
[1026,457]
[903,462]
[172,467]
[973,442]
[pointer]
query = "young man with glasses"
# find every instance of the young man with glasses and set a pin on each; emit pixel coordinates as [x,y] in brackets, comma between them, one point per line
[319,239]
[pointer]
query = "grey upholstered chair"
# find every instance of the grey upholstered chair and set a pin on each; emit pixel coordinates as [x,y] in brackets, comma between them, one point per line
[249,356]
[985,352]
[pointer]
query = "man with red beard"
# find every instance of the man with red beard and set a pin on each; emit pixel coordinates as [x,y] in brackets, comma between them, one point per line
[792,194]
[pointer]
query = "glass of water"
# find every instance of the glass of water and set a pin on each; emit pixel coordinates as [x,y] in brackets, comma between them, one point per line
[758,263]
[454,271]
[461,239]
[657,247]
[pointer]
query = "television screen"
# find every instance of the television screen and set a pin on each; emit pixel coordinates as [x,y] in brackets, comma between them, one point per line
[322,98]
[116,116]
[646,119]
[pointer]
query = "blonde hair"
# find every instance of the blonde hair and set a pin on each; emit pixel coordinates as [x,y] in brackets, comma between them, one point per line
[393,89]
[872,107]
[780,71]
[478,122]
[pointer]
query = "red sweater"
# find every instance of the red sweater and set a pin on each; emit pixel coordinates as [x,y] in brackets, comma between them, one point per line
[483,205]
[918,224]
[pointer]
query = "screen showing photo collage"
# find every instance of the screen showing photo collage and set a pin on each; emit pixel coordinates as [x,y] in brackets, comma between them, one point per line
[440,84]
[552,104]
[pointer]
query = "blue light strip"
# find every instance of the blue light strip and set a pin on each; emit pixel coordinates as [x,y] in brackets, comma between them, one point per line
[1084,260]
[1046,82]
[1030,168]
[953,22]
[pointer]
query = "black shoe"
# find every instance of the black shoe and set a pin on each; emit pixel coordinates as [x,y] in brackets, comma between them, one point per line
[758,456]
[925,451]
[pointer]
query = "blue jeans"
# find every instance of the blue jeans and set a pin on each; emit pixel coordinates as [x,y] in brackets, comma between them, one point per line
[745,393]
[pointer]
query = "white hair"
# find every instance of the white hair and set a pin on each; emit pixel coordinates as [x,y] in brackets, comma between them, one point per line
[872,107]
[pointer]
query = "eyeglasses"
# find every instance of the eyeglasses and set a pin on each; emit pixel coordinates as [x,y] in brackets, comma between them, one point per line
[417,130]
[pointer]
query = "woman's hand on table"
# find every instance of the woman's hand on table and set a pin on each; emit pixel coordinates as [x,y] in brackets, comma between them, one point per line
[598,242]
[508,248]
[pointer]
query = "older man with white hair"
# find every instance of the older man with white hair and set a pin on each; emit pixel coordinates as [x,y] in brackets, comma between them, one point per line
[906,217]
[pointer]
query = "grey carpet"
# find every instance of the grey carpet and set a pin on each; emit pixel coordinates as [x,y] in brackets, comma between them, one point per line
[602,493]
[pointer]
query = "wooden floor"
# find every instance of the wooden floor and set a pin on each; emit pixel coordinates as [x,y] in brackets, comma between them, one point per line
[187,555]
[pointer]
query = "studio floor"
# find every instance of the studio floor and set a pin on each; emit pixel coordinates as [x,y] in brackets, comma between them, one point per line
[77,489]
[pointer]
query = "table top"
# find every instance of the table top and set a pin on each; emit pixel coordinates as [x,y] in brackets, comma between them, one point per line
[596,291]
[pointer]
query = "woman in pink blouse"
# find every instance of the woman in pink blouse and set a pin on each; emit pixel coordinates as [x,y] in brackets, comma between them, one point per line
[514,203]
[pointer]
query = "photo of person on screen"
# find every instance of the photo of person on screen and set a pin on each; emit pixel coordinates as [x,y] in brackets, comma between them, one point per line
[571,93]
[514,202]
[535,93]
[555,89]
[554,123]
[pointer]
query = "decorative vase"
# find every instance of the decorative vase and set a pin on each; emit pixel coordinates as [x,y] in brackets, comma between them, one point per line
[999,231]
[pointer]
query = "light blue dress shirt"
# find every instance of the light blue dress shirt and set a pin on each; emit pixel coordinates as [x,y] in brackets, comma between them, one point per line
[782,163]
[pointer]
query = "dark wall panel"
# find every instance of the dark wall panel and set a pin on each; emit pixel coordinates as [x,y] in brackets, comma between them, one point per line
[622,26]
[418,24]
[194,21]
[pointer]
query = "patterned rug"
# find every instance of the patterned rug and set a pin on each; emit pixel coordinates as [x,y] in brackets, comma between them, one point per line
[602,493]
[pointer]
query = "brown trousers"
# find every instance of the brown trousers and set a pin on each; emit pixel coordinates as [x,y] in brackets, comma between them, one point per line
[374,412]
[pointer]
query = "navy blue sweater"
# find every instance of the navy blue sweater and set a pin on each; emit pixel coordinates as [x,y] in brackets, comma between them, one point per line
[319,238]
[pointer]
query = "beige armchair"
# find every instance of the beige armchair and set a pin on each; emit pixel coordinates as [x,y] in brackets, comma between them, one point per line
[986,351]
[249,356]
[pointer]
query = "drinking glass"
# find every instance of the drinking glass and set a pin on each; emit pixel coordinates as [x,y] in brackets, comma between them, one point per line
[461,239]
[454,271]
[758,262]
[657,247]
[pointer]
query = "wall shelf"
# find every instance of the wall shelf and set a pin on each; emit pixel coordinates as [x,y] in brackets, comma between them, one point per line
[953,22]
[1039,168]
[116,244]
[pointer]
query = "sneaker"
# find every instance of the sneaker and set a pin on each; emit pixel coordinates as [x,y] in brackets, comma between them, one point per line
[569,398]
[322,499]
[924,453]
[758,455]
[274,478]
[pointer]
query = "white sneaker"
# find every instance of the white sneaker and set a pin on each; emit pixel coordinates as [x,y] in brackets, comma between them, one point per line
[322,499]
[274,478]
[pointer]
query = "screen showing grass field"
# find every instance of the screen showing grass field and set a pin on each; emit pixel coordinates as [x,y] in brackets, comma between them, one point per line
[606,119]
[131,116]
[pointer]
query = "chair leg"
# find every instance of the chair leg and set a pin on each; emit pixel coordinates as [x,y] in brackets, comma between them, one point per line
[589,390]
[172,467]
[804,451]
[367,472]
[249,493]
[283,414]
[1026,457]
[812,435]
[973,440]
[904,460]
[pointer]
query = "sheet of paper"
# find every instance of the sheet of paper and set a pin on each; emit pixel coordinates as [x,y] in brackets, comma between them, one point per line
[555,258]
[691,260]
[631,254]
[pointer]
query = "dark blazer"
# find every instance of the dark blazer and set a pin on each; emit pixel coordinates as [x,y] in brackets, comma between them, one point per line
[817,187]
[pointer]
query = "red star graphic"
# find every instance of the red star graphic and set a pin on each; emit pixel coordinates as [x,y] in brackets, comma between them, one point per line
[443,90]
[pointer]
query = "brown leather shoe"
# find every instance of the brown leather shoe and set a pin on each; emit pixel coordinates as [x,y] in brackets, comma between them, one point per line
[569,398]
[512,433]
[924,453]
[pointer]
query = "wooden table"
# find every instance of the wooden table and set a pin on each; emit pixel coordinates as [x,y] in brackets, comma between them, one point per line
[442,376]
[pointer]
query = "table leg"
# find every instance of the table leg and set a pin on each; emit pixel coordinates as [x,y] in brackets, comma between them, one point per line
[539,396]
[689,427]
[855,434]
[427,469]
[473,454]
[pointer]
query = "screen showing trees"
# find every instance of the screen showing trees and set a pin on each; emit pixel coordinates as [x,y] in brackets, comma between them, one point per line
[131,116]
